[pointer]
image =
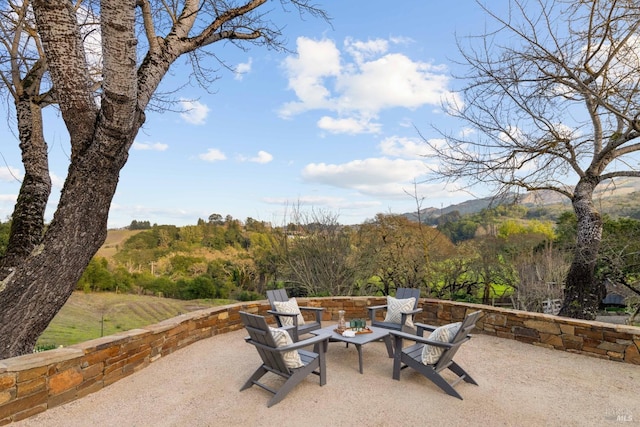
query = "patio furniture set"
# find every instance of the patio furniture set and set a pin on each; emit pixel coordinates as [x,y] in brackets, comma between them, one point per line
[283,353]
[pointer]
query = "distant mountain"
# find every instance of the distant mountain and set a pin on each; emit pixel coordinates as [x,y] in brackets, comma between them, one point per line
[619,200]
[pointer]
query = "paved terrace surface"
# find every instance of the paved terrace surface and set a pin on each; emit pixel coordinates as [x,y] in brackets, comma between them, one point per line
[519,385]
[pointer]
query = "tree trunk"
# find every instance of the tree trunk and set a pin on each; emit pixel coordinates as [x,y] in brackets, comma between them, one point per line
[27,225]
[34,290]
[583,291]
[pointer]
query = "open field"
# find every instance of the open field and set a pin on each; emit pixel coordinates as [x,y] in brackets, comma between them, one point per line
[87,316]
[113,240]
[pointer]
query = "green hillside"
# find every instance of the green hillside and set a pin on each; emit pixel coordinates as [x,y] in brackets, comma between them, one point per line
[86,316]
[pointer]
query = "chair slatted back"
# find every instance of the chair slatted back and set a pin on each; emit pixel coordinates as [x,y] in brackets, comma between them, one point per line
[277,295]
[404,293]
[468,324]
[260,337]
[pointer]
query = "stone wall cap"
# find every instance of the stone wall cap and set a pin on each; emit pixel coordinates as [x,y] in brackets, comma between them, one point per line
[43,358]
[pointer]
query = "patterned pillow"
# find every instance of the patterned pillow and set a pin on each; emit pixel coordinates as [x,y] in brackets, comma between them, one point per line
[396,306]
[282,338]
[290,307]
[430,353]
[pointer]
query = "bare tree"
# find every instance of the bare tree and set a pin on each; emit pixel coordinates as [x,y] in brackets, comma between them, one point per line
[140,41]
[317,258]
[553,96]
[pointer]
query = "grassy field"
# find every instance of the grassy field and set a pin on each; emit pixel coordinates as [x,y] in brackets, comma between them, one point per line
[114,239]
[87,316]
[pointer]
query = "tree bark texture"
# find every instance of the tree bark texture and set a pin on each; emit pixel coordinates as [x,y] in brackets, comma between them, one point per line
[583,291]
[37,287]
[27,226]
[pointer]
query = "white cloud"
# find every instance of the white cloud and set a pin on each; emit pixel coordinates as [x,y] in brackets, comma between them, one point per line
[350,125]
[9,174]
[363,50]
[358,90]
[242,69]
[57,181]
[212,155]
[262,158]
[391,81]
[316,61]
[403,147]
[8,198]
[195,112]
[466,131]
[369,176]
[153,146]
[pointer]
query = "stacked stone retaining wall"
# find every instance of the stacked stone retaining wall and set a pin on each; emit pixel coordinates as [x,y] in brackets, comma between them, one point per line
[33,383]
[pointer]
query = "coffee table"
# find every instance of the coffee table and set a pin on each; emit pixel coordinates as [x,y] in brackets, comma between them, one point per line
[377,334]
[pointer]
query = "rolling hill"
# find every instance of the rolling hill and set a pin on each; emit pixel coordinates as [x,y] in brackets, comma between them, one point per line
[619,200]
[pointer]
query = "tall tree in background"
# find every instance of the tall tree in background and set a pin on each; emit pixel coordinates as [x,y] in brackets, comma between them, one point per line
[103,113]
[552,97]
[399,253]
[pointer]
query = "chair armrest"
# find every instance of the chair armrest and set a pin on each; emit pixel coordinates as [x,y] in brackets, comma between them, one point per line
[317,339]
[316,310]
[403,335]
[312,308]
[374,309]
[277,313]
[424,327]
[291,329]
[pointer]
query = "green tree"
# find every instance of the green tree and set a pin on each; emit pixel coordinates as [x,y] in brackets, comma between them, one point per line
[96,276]
[399,252]
[5,229]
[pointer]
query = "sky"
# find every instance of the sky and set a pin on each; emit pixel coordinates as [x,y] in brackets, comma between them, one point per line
[334,126]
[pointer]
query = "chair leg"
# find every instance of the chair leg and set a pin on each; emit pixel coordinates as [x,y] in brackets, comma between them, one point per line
[457,369]
[397,359]
[441,382]
[255,377]
[299,375]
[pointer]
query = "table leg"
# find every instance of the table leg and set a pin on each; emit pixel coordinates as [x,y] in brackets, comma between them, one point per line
[359,347]
[389,344]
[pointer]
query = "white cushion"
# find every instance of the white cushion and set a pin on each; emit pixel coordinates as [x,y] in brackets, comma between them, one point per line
[282,338]
[395,307]
[431,353]
[290,307]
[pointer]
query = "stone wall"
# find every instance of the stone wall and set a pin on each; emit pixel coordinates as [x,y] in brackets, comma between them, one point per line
[33,383]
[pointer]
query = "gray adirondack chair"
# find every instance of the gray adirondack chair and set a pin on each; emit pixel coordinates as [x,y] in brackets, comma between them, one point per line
[411,356]
[401,293]
[309,325]
[273,361]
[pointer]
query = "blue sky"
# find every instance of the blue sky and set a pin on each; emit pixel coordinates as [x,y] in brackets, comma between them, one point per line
[329,128]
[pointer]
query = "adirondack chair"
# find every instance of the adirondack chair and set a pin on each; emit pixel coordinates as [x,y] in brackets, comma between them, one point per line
[288,313]
[430,356]
[398,314]
[283,357]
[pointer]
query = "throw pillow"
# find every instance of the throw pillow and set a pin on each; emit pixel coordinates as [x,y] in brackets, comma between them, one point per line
[431,353]
[395,307]
[290,307]
[282,338]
